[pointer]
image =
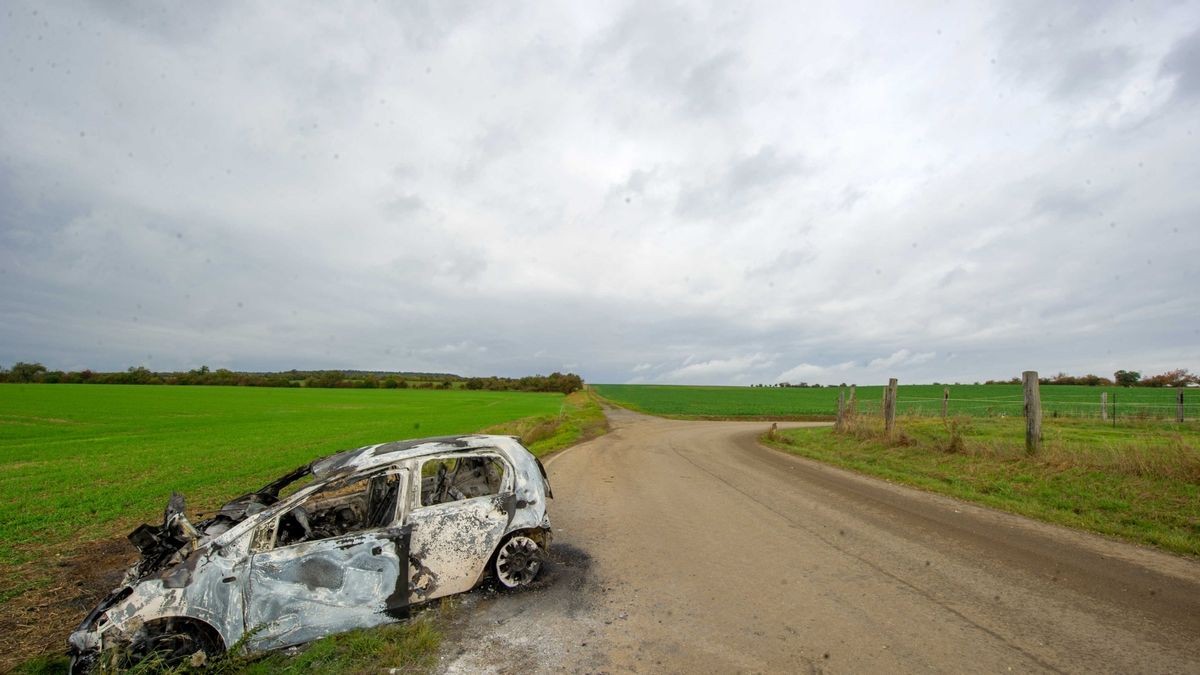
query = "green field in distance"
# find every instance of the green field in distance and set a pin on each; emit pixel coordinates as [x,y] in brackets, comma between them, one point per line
[966,399]
[84,461]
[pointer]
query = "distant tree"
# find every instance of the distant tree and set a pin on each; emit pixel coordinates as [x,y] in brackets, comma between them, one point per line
[390,383]
[26,372]
[142,375]
[1126,378]
[1179,377]
[1087,380]
[222,376]
[566,384]
[324,379]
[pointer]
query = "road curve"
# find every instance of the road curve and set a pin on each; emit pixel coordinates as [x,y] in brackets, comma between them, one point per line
[688,547]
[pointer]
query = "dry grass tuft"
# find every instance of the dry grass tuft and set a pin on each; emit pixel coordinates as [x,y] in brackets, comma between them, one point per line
[956,427]
[61,587]
[1176,459]
[1156,452]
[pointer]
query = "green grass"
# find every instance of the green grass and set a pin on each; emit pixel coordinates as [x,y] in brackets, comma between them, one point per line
[914,399]
[408,647]
[82,462]
[1140,481]
[85,463]
[46,664]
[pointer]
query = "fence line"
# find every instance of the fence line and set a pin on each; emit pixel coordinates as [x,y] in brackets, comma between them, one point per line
[1102,407]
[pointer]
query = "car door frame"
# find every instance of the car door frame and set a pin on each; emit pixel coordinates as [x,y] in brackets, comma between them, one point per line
[279,584]
[443,531]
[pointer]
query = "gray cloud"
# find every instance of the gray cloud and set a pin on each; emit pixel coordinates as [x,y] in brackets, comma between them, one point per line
[1183,62]
[739,182]
[694,71]
[650,192]
[1087,70]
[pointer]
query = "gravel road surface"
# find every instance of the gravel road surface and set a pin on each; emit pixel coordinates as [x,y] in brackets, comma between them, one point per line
[688,547]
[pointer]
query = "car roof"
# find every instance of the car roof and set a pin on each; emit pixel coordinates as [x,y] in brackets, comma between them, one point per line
[383,454]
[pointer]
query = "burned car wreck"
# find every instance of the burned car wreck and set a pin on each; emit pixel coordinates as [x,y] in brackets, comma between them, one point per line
[348,541]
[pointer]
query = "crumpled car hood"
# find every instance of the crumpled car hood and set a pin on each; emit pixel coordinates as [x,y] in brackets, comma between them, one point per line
[166,545]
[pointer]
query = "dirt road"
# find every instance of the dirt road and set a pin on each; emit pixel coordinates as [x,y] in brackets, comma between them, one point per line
[687,547]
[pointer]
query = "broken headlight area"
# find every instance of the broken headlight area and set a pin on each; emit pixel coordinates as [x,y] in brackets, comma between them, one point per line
[170,642]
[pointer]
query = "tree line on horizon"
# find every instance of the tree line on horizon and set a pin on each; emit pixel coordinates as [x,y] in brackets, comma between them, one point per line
[37,373]
[1180,377]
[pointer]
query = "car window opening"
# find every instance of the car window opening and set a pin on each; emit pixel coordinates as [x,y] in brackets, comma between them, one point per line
[445,480]
[364,504]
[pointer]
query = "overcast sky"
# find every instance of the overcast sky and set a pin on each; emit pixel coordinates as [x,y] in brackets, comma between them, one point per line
[721,193]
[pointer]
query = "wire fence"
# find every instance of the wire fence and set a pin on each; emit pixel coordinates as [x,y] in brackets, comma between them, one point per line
[1052,407]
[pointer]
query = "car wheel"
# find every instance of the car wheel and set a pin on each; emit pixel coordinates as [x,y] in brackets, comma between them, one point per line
[172,644]
[518,561]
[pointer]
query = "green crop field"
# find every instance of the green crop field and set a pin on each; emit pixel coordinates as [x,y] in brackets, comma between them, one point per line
[974,400]
[83,462]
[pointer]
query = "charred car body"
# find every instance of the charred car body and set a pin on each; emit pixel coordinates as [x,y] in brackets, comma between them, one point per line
[351,540]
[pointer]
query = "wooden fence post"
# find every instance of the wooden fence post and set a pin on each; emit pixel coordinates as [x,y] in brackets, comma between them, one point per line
[1033,412]
[945,400]
[852,406]
[841,414]
[1104,406]
[1179,405]
[889,407]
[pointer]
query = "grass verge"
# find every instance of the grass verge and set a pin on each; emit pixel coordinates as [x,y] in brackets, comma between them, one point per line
[580,418]
[1140,482]
[408,647]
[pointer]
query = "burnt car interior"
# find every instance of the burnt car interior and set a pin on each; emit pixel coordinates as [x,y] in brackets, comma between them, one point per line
[449,479]
[340,509]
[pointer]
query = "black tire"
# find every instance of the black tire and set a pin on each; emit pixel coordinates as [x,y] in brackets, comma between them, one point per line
[518,560]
